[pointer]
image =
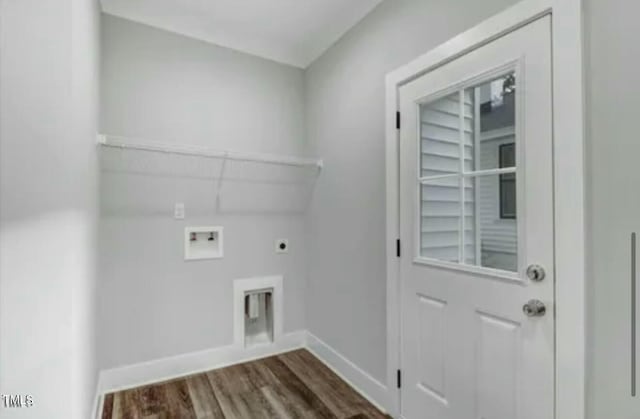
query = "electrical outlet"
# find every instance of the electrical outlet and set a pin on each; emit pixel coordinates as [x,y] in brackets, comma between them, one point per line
[282,246]
[178,211]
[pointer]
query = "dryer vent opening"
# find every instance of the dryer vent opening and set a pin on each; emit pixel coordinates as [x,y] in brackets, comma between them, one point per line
[258,317]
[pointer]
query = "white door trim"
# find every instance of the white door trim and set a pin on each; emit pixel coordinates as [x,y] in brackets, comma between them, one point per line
[569,166]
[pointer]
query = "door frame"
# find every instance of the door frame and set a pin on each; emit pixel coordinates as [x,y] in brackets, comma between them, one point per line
[568,188]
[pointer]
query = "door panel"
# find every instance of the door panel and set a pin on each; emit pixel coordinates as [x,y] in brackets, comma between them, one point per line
[498,366]
[476,209]
[432,321]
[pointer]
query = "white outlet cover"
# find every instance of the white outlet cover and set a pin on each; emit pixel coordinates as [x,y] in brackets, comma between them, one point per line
[282,246]
[178,211]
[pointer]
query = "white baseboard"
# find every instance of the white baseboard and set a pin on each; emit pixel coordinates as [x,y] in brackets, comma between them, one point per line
[164,369]
[370,388]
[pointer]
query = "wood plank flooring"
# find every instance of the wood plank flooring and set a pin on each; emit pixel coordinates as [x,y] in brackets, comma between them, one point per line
[292,385]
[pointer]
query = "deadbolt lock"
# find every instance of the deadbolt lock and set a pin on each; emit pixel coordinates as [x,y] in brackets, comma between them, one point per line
[536,273]
[534,308]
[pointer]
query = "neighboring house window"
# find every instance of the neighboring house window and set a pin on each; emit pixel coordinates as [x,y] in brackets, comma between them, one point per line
[507,158]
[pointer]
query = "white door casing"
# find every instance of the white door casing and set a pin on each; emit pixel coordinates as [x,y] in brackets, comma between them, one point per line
[467,349]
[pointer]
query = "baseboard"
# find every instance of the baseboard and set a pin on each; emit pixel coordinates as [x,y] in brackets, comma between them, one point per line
[164,369]
[370,388]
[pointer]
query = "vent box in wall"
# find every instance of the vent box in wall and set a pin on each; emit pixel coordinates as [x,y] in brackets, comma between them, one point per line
[258,314]
[203,243]
[257,311]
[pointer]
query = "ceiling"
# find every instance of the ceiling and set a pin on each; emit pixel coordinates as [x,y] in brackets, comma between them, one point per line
[294,32]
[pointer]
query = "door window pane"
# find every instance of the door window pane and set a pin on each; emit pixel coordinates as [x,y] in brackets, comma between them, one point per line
[497,237]
[494,120]
[440,219]
[467,166]
[440,135]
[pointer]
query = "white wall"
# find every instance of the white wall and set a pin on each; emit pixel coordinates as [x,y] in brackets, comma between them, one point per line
[613,202]
[48,205]
[85,68]
[164,87]
[345,125]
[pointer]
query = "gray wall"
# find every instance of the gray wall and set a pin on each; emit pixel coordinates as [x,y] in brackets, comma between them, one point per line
[164,87]
[613,201]
[48,205]
[345,126]
[85,87]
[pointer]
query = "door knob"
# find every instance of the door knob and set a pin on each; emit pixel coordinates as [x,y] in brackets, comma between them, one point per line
[534,308]
[536,273]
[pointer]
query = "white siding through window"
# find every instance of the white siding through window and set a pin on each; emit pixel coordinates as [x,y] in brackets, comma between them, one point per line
[440,199]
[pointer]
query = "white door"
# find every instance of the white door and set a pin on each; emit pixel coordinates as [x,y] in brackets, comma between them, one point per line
[476,223]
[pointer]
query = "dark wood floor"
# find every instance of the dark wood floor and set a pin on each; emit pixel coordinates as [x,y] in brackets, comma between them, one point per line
[291,385]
